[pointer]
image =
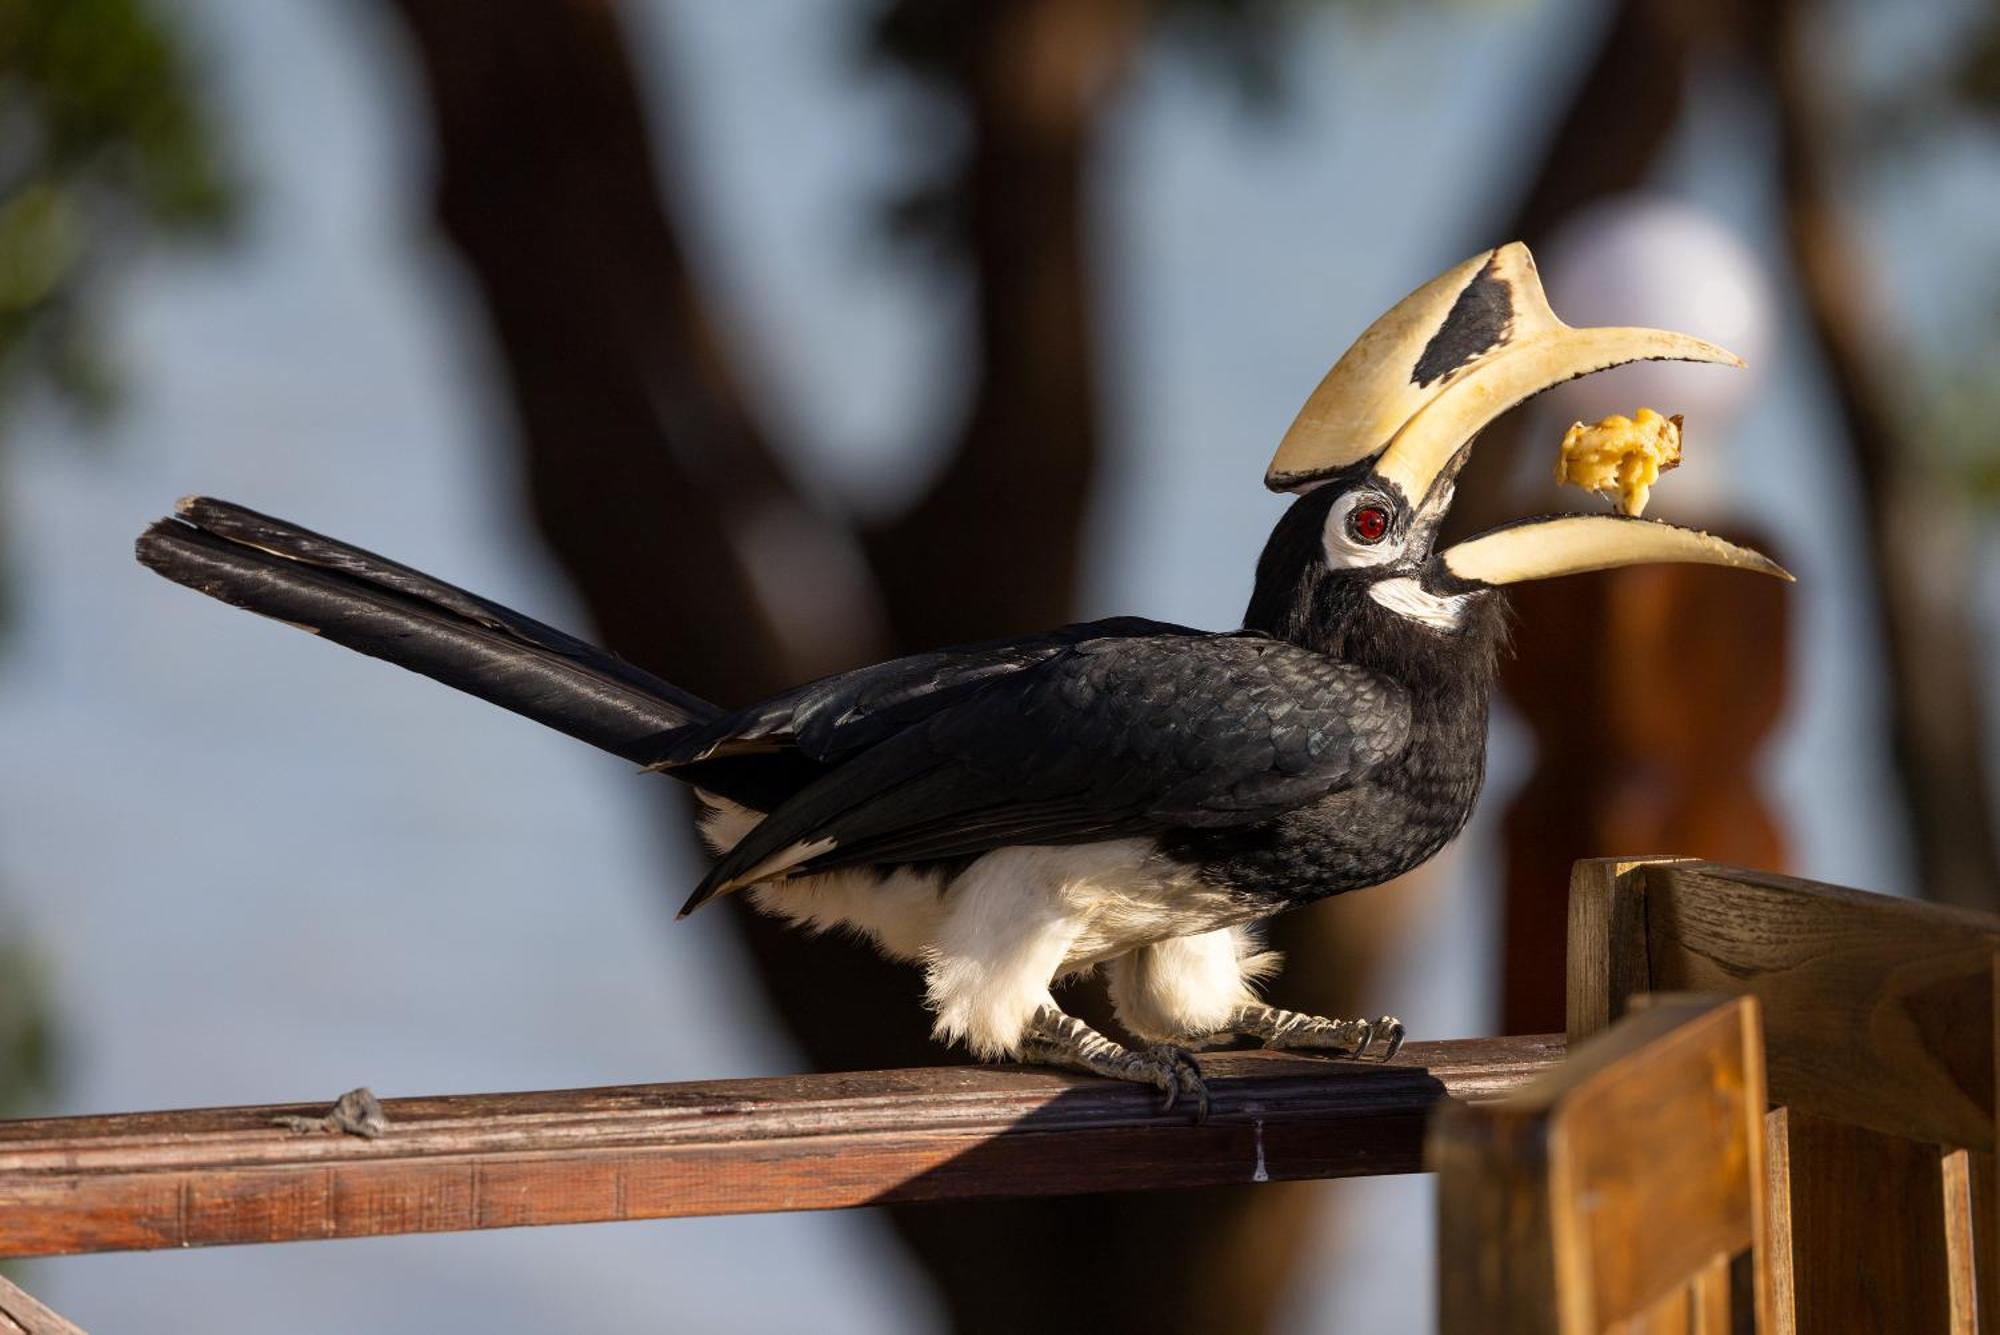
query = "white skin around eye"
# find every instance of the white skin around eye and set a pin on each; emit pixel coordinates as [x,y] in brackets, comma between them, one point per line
[1344,551]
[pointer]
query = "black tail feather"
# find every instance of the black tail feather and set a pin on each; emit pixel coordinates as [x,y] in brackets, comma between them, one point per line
[389,611]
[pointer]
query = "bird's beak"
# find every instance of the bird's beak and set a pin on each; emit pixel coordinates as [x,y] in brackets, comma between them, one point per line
[1415,389]
[1571,544]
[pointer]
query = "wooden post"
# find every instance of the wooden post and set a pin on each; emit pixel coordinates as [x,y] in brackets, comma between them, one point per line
[1617,1188]
[1880,1023]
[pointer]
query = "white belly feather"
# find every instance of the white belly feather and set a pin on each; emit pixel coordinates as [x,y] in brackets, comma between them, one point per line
[995,937]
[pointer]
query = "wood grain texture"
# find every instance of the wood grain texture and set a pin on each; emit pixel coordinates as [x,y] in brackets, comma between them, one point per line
[1778,1209]
[1613,1191]
[1961,1283]
[1871,1231]
[198,1178]
[1879,1020]
[1880,1025]
[22,1314]
[1877,1011]
[1607,941]
[1985,1216]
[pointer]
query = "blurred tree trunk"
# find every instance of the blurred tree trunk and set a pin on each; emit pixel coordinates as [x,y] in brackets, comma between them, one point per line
[655,489]
[994,546]
[1916,536]
[644,464]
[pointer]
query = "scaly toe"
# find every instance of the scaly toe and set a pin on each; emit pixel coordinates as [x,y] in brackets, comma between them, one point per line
[1177,1072]
[1194,1083]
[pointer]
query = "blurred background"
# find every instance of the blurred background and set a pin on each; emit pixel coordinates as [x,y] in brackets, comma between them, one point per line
[761,337]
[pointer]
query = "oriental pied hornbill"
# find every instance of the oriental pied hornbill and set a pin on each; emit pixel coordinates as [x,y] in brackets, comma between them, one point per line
[1123,793]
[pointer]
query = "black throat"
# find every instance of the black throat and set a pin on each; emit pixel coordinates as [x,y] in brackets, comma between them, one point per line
[1409,808]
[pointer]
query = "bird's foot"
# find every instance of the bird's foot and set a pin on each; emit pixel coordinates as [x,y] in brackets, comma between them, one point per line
[1377,1040]
[1064,1040]
[1174,1071]
[356,1113]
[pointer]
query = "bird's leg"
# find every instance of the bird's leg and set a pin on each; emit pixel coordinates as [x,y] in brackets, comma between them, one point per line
[1277,1028]
[1063,1040]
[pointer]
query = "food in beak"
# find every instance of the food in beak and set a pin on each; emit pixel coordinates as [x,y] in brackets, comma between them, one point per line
[1625,454]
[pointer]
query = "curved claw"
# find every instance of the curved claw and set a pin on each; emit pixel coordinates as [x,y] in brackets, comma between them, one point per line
[1177,1072]
[1392,1032]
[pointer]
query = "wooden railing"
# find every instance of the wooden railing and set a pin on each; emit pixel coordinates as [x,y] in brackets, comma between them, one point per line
[227,1175]
[1879,1025]
[1879,1032]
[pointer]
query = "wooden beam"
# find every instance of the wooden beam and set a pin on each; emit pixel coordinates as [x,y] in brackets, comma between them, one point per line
[1877,1011]
[189,1179]
[21,1314]
[1607,941]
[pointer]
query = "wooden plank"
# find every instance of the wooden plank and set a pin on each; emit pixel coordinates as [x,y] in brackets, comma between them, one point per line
[1870,1231]
[1985,1268]
[1607,941]
[1778,1210]
[1955,1172]
[1699,1307]
[1708,1300]
[1601,1191]
[21,1314]
[1496,1243]
[1986,1201]
[1670,1151]
[204,1177]
[1757,1310]
[1878,1011]
[1751,1294]
[1671,1315]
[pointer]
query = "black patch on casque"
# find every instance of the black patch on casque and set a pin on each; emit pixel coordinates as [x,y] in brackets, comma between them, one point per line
[1479,320]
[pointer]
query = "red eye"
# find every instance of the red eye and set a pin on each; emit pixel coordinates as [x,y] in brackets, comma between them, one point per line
[1368,523]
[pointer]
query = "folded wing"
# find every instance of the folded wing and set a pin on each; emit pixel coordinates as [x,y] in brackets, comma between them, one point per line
[1098,737]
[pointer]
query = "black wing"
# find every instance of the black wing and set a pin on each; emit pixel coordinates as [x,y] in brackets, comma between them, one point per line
[764,753]
[1098,738]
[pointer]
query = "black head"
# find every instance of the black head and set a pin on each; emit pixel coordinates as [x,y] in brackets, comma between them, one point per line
[1349,571]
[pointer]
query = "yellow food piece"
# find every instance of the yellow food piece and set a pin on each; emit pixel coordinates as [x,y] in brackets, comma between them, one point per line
[1622,454]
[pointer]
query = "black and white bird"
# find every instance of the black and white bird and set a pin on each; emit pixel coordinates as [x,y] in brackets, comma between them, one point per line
[1123,794]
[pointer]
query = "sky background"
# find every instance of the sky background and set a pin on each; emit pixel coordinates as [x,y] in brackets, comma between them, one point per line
[260,870]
